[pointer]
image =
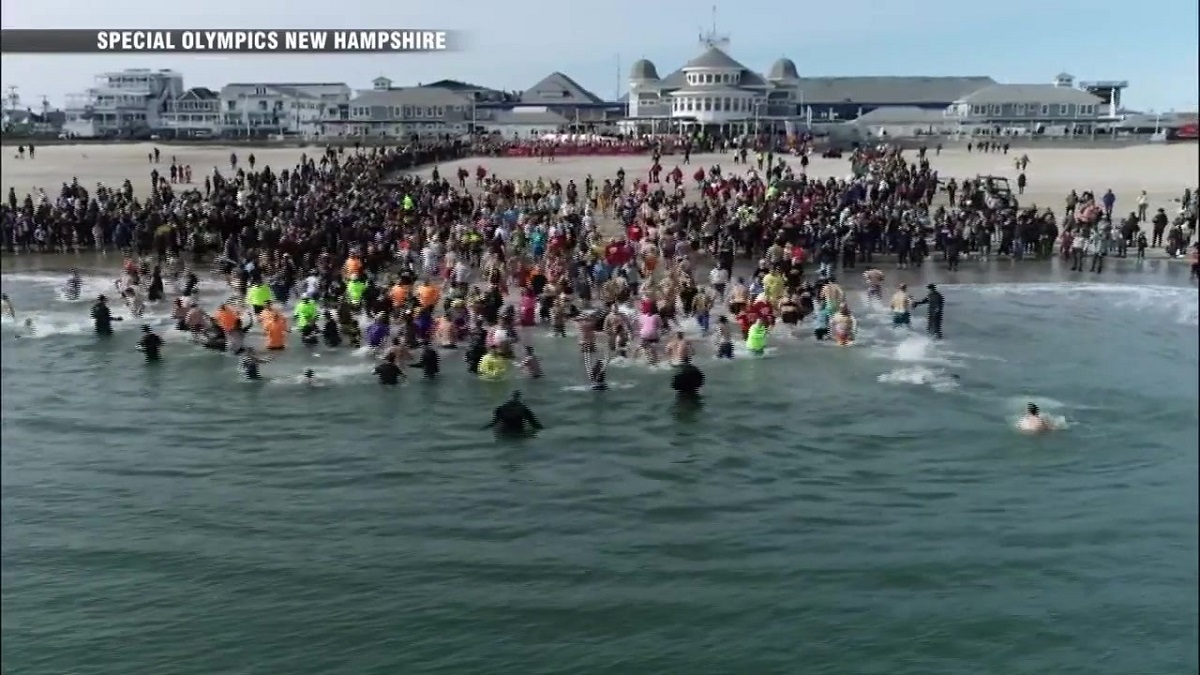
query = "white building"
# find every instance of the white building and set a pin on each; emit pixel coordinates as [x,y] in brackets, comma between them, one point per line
[122,103]
[522,122]
[253,109]
[195,114]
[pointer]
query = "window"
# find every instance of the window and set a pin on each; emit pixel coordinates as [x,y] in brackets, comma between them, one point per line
[1045,110]
[997,109]
[429,112]
[418,111]
[406,111]
[260,91]
[707,105]
[1019,109]
[1063,110]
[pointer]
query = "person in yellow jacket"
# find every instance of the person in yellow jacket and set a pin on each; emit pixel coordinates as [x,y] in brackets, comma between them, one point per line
[493,365]
[774,286]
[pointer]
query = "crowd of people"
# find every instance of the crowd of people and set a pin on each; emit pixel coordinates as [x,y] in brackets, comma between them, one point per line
[405,265]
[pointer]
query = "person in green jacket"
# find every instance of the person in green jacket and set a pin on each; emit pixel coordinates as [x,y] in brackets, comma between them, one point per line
[306,315]
[258,296]
[356,288]
[756,338]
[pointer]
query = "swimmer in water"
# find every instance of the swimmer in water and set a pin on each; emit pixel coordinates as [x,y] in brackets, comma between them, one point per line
[678,349]
[28,326]
[74,284]
[250,362]
[1033,422]
[901,306]
[6,307]
[514,418]
[134,302]
[688,380]
[150,345]
[102,317]
[310,378]
[874,279]
[388,372]
[530,364]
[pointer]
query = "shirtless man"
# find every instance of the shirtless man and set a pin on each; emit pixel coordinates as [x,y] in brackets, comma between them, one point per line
[832,294]
[6,307]
[874,279]
[901,306]
[1032,421]
[134,302]
[678,349]
[842,325]
[738,296]
[398,350]
[613,322]
[558,315]
[587,339]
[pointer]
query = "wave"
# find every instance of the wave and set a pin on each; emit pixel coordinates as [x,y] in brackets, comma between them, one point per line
[936,379]
[1177,301]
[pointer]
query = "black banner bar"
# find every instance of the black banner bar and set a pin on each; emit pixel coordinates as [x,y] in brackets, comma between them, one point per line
[226,41]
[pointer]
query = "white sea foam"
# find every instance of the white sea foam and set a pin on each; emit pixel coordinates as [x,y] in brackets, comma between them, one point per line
[917,348]
[588,387]
[937,379]
[1180,303]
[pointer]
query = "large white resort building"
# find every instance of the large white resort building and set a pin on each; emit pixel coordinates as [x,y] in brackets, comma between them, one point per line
[717,93]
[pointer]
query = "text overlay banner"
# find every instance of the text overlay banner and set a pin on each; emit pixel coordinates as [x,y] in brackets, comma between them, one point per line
[226,41]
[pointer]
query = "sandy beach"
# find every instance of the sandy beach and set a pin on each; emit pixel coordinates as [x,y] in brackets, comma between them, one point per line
[1164,171]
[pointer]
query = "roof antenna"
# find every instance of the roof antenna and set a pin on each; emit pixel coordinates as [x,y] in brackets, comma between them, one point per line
[713,39]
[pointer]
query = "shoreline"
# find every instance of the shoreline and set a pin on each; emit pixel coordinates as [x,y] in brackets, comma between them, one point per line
[1118,271]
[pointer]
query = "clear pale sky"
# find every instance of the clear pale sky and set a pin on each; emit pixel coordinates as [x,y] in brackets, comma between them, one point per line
[514,43]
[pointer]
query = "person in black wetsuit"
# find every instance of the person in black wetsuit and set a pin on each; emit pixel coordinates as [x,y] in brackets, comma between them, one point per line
[428,361]
[150,345]
[688,379]
[388,372]
[102,317]
[476,349]
[513,417]
[937,305]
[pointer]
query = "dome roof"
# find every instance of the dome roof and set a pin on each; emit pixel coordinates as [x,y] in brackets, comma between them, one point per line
[783,69]
[643,70]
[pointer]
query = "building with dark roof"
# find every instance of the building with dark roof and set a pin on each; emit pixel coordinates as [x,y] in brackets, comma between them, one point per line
[714,89]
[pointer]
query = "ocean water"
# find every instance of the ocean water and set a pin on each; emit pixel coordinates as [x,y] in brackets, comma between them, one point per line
[827,510]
